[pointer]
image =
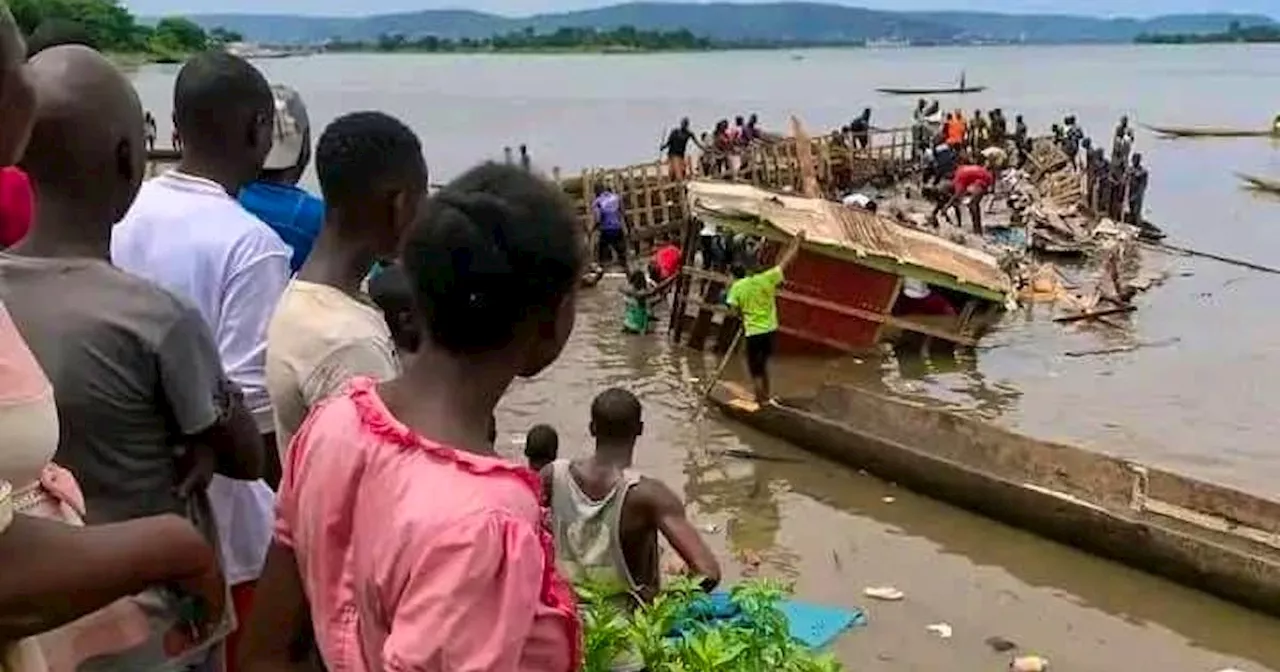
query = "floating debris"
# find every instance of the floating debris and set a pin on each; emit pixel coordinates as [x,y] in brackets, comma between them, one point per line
[1029,664]
[942,630]
[1000,644]
[888,500]
[886,593]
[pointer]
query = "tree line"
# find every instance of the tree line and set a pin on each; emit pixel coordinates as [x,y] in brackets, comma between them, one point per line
[625,38]
[1234,33]
[107,26]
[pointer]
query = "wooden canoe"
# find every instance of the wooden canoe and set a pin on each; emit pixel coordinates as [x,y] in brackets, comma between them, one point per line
[1260,183]
[1208,132]
[932,92]
[1208,537]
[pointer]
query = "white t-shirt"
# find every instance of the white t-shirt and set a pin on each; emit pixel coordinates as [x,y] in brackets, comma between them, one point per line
[189,236]
[857,201]
[320,338]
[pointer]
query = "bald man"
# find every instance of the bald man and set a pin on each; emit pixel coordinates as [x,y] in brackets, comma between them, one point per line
[146,410]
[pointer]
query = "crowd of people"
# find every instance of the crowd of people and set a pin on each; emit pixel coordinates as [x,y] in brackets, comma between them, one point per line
[262,422]
[723,150]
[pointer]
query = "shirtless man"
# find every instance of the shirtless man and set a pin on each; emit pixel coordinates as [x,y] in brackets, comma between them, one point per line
[603,512]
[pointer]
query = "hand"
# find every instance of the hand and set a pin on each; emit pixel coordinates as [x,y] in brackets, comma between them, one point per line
[195,468]
[208,593]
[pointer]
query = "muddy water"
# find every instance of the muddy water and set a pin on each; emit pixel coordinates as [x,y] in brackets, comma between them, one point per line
[829,529]
[1199,397]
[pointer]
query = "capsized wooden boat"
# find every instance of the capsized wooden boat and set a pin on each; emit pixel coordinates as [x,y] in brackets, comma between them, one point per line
[1260,183]
[843,291]
[957,90]
[1208,132]
[1212,538]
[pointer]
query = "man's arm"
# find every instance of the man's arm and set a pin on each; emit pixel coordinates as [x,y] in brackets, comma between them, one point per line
[793,249]
[667,513]
[55,573]
[463,600]
[205,406]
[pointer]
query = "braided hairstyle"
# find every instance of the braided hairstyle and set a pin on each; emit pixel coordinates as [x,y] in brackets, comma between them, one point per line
[493,253]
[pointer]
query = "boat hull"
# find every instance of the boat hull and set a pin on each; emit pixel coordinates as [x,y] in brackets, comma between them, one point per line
[1261,183]
[1208,537]
[1208,132]
[931,92]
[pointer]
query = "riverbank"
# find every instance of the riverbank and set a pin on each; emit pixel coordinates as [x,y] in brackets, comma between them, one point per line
[132,60]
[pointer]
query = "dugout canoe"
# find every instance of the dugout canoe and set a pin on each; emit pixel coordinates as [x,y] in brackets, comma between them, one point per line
[932,92]
[1208,132]
[1205,536]
[1260,183]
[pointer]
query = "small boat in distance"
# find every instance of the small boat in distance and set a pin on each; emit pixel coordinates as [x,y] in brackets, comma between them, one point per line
[1260,183]
[930,92]
[1210,132]
[962,89]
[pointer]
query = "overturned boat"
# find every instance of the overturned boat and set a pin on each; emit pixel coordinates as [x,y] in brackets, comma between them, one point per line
[859,279]
[1256,183]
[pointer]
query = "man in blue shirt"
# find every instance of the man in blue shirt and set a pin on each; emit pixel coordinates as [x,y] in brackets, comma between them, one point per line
[275,198]
[610,225]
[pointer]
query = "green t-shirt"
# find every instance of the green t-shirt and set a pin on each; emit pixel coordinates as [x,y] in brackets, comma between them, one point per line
[755,296]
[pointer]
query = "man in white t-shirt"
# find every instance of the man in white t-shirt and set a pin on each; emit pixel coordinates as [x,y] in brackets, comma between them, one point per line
[187,233]
[325,330]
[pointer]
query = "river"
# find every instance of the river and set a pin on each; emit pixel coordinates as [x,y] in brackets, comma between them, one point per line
[1199,400]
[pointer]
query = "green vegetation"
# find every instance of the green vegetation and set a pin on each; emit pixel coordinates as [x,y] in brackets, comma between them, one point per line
[106,25]
[764,646]
[1234,33]
[625,38]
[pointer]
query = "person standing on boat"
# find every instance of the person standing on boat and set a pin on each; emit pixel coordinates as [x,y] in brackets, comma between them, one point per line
[1136,187]
[610,227]
[978,132]
[1021,140]
[1115,206]
[755,298]
[1122,145]
[1095,168]
[860,130]
[677,146]
[971,184]
[606,517]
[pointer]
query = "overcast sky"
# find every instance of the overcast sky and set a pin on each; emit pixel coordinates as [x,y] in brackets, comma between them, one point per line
[525,7]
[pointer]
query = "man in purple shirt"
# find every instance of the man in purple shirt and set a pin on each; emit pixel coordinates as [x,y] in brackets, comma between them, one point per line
[610,226]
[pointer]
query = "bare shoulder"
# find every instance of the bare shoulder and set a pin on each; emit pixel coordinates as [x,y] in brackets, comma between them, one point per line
[655,495]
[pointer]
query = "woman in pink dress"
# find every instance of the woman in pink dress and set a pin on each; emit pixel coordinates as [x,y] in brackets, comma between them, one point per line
[402,539]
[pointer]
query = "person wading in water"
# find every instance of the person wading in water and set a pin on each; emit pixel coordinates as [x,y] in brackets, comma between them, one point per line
[606,517]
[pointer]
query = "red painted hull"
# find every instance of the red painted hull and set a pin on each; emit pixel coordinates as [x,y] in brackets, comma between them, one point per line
[808,328]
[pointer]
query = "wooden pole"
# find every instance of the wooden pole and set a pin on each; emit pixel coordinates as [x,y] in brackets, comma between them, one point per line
[724,363]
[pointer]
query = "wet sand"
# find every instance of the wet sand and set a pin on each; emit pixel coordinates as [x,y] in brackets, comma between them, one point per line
[827,528]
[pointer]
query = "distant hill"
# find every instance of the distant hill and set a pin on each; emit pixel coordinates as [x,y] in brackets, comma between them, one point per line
[784,22]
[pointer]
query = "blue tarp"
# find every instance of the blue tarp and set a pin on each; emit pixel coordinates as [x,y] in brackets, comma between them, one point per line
[813,625]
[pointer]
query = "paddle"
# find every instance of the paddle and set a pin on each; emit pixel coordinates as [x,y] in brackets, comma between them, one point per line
[724,363]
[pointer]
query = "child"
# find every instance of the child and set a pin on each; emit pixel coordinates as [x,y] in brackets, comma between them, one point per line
[636,316]
[541,446]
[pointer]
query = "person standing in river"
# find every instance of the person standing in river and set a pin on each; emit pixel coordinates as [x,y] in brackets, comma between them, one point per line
[148,415]
[275,197]
[606,517]
[755,299]
[187,233]
[610,227]
[677,148]
[325,332]
[444,561]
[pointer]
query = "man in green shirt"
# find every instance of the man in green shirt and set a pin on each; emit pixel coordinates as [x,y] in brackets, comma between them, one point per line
[755,298]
